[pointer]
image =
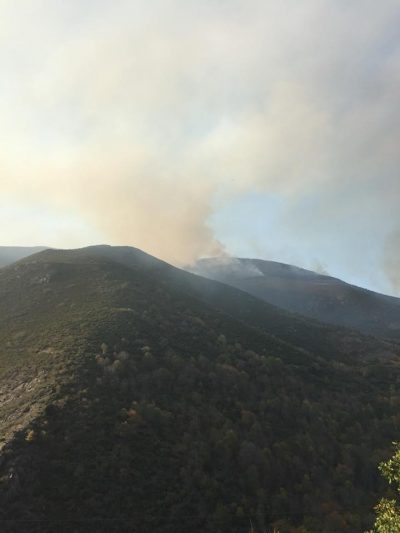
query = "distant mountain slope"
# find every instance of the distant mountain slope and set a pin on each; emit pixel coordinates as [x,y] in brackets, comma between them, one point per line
[136,397]
[310,294]
[309,334]
[10,254]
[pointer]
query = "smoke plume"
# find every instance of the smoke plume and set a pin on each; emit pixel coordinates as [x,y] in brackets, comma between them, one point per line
[143,118]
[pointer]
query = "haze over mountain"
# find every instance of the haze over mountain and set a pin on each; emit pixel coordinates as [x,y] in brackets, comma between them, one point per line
[10,254]
[138,397]
[258,128]
[236,396]
[308,293]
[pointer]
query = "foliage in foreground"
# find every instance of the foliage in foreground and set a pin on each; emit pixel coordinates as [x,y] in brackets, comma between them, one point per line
[388,510]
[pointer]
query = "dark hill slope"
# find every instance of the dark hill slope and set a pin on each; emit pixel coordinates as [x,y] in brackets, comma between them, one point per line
[303,332]
[10,254]
[129,404]
[310,294]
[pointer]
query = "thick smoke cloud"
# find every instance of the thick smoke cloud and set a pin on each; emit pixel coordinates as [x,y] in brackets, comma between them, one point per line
[137,115]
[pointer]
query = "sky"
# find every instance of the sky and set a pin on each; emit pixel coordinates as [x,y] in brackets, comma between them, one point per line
[191,129]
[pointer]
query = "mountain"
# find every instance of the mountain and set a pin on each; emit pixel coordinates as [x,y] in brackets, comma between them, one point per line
[310,294]
[10,254]
[137,397]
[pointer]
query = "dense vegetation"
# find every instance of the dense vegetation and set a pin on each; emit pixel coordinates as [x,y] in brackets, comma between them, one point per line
[132,401]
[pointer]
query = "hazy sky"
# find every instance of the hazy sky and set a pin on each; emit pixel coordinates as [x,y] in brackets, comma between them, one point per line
[191,128]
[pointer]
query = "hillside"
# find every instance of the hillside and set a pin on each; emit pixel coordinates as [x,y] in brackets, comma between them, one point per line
[10,254]
[138,397]
[310,294]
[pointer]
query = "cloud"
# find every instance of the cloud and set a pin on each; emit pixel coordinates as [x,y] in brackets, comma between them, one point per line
[137,115]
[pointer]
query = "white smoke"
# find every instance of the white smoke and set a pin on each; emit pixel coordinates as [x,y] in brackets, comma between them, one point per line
[135,115]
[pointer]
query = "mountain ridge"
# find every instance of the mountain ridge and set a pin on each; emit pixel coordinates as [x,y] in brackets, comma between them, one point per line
[310,294]
[10,254]
[144,388]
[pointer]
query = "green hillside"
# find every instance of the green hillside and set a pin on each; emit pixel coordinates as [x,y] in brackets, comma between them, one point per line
[135,397]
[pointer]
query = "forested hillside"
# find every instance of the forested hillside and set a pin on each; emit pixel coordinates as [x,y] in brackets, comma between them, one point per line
[136,397]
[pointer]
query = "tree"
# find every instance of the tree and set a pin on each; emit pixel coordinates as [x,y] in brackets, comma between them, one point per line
[388,511]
